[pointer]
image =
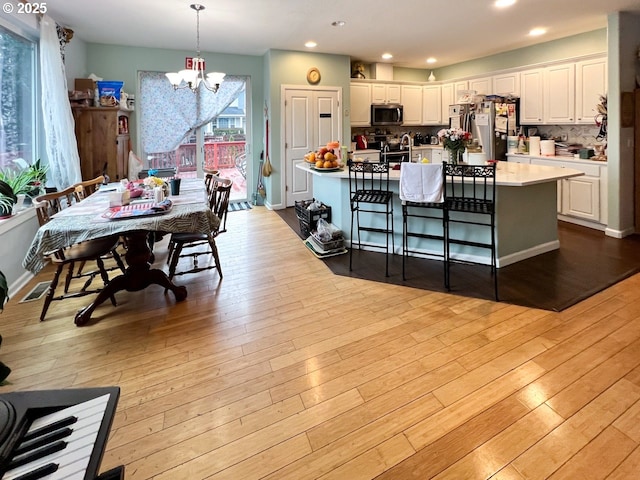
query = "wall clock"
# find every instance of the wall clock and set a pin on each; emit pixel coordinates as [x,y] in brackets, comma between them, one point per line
[313,76]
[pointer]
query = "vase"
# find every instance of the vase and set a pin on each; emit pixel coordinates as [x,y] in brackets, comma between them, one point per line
[455,156]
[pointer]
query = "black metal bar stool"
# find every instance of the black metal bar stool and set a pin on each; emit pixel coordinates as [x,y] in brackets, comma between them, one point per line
[470,194]
[422,196]
[369,193]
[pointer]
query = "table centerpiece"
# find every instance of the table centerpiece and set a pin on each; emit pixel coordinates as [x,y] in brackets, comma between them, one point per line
[454,141]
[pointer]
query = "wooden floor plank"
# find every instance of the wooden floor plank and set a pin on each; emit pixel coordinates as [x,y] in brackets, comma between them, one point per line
[285,370]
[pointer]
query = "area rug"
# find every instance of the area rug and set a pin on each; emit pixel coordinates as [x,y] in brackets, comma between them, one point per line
[237,206]
[586,262]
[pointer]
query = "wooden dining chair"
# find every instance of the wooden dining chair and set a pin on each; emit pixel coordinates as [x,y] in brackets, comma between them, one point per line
[219,204]
[83,189]
[91,250]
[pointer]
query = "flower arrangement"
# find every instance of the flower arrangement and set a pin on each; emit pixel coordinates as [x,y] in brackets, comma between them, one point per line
[152,181]
[454,140]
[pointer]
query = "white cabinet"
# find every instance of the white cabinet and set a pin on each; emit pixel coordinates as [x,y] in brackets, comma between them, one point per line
[431,105]
[449,96]
[482,86]
[360,104]
[582,199]
[559,94]
[507,84]
[591,83]
[532,97]
[411,99]
[385,93]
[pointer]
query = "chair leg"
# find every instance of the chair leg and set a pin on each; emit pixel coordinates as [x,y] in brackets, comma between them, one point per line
[67,280]
[386,253]
[352,242]
[405,240]
[50,292]
[175,256]
[216,258]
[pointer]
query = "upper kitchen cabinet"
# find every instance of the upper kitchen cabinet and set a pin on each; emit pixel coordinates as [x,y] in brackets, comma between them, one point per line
[431,105]
[360,104]
[411,99]
[559,94]
[591,83]
[449,96]
[532,96]
[507,84]
[482,86]
[385,93]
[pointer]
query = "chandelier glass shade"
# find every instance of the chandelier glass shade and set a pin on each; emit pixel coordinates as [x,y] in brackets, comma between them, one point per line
[194,76]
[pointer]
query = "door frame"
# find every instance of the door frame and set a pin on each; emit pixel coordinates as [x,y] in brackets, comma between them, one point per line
[283,95]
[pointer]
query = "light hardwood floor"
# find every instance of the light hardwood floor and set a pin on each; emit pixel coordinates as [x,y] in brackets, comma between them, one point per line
[284,371]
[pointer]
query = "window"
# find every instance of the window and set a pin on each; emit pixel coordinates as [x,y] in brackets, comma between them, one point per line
[17,97]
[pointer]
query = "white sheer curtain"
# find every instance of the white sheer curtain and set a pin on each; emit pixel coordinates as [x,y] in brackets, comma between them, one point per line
[168,115]
[59,126]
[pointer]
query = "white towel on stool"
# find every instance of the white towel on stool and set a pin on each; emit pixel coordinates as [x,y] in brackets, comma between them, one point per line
[421,182]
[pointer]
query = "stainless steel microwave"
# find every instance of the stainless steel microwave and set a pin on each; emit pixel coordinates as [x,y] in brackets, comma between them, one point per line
[386,114]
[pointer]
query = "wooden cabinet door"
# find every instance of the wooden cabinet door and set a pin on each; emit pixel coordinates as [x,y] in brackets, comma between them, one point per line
[559,94]
[507,84]
[482,86]
[581,197]
[591,83]
[360,104]
[431,105]
[532,96]
[411,96]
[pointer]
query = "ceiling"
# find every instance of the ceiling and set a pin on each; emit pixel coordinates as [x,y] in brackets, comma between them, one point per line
[412,30]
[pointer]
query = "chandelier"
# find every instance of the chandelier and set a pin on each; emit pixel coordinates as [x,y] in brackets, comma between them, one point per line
[194,75]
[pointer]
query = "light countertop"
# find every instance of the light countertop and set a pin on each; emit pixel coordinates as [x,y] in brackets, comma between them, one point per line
[509,174]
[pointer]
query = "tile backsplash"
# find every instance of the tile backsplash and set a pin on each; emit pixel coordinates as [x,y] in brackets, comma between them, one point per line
[583,134]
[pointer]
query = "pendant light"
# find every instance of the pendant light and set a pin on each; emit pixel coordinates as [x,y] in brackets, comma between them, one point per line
[194,75]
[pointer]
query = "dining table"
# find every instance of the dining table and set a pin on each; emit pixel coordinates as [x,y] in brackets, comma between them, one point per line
[94,217]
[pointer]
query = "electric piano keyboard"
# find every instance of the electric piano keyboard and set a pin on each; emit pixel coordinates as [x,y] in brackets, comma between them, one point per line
[56,434]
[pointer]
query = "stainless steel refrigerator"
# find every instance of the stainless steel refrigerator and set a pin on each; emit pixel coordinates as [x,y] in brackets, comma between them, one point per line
[489,122]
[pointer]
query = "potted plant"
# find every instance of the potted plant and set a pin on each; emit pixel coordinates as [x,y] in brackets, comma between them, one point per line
[15,181]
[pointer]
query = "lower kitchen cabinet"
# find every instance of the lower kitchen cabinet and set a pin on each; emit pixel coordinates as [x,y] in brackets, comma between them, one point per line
[102,134]
[581,200]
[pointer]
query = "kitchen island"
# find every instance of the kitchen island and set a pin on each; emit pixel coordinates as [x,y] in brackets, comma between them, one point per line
[526,212]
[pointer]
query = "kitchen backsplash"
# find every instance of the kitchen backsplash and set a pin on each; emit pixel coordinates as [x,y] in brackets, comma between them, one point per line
[583,134]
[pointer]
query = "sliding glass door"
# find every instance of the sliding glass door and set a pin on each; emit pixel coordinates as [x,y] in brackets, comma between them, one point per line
[196,132]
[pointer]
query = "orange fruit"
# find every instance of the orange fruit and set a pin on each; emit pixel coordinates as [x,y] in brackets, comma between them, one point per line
[328,164]
[320,164]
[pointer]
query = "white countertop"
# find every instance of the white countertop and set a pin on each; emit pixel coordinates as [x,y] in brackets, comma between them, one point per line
[509,174]
[558,158]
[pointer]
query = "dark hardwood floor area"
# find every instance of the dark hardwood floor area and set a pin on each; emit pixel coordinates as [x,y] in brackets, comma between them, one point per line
[284,370]
[587,262]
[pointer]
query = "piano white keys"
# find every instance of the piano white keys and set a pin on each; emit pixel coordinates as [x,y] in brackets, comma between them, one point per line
[72,461]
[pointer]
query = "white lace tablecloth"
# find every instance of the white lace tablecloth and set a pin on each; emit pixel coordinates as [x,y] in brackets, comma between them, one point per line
[83,221]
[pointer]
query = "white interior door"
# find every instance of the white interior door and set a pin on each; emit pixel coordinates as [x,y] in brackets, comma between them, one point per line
[312,118]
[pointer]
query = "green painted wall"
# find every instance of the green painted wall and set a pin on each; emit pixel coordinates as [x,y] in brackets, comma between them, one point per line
[290,68]
[569,47]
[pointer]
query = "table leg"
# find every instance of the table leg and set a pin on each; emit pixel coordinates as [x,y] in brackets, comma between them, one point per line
[138,276]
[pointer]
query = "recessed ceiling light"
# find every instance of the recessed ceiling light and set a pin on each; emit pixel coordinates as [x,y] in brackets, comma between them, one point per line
[537,31]
[504,3]
[338,23]
[431,60]
[311,44]
[387,56]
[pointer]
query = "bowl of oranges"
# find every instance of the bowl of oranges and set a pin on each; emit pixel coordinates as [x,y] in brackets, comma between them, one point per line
[325,158]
